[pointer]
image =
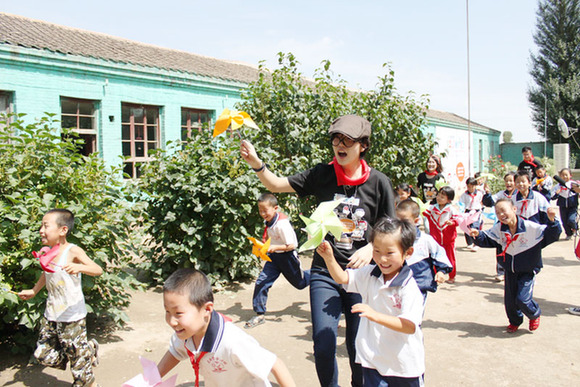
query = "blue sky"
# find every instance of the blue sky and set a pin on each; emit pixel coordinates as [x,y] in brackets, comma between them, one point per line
[424,41]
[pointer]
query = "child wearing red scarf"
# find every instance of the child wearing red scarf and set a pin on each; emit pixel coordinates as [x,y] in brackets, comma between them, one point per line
[472,200]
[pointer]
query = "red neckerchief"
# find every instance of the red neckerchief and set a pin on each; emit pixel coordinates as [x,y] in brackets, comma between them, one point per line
[531,162]
[472,196]
[509,240]
[195,362]
[431,174]
[342,179]
[509,196]
[525,202]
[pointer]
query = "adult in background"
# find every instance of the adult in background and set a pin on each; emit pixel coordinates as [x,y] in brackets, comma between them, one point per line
[529,163]
[366,195]
[427,179]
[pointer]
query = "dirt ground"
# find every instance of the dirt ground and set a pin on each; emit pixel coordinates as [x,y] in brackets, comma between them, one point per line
[464,328]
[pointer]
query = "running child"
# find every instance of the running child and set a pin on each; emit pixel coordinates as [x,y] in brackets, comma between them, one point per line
[471,200]
[282,252]
[567,200]
[443,222]
[521,242]
[217,349]
[543,183]
[530,204]
[429,261]
[389,341]
[63,332]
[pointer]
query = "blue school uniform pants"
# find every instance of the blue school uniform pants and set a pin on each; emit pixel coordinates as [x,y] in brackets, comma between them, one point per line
[518,297]
[568,217]
[287,264]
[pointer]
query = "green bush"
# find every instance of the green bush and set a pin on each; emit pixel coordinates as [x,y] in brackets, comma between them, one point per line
[201,209]
[41,170]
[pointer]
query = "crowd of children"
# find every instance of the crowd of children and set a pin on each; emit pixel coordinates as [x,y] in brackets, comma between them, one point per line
[378,273]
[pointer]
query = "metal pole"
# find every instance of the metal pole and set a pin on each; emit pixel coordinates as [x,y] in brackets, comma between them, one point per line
[468,96]
[545,125]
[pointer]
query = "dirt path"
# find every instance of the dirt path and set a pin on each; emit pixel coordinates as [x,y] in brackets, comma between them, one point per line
[463,327]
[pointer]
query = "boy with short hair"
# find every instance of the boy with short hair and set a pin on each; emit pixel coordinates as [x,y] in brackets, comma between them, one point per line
[217,349]
[429,262]
[389,341]
[521,242]
[530,205]
[282,252]
[529,163]
[567,201]
[472,201]
[63,333]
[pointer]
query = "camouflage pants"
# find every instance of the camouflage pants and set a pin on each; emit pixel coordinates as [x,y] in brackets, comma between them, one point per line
[61,342]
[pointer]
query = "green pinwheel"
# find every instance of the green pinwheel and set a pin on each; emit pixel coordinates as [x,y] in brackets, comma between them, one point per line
[322,221]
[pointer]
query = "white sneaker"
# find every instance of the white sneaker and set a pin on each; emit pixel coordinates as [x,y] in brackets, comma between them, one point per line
[499,278]
[473,248]
[574,311]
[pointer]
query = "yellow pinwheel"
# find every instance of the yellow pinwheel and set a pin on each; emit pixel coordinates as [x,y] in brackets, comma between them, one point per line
[234,118]
[260,249]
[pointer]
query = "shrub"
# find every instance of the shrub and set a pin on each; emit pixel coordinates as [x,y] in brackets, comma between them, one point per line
[201,209]
[40,170]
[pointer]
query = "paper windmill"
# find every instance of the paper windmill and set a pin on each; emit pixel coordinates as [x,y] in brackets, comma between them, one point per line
[45,257]
[466,219]
[491,216]
[487,176]
[422,206]
[150,376]
[322,221]
[234,118]
[440,184]
[260,249]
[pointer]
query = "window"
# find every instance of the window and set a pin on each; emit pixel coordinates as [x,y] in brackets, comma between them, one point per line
[194,119]
[140,134]
[5,103]
[80,115]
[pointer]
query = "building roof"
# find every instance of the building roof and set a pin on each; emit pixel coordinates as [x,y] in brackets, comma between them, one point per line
[454,118]
[30,33]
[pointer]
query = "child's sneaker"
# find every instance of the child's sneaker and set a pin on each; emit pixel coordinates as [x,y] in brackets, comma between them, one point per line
[512,328]
[499,278]
[474,248]
[574,311]
[534,324]
[94,345]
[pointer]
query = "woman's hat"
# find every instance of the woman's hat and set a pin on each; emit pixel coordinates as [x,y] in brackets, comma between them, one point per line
[352,126]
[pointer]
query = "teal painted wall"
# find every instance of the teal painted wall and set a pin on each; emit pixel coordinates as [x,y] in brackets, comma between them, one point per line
[512,151]
[38,79]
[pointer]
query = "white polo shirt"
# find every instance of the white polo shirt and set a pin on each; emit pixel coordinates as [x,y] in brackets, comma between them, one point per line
[390,353]
[231,356]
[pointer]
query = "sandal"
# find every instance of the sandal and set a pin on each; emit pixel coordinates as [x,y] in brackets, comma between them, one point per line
[255,321]
[94,345]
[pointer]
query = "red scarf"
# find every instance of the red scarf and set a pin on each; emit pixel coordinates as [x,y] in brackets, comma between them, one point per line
[531,162]
[342,179]
[431,174]
[509,241]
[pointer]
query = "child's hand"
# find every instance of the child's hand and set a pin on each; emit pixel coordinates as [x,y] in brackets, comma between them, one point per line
[440,277]
[365,311]
[474,232]
[486,188]
[26,294]
[558,190]
[450,222]
[72,268]
[552,211]
[325,251]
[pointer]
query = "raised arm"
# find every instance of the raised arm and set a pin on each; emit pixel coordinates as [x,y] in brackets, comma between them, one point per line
[272,182]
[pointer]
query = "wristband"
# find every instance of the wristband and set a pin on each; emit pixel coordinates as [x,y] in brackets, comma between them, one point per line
[261,168]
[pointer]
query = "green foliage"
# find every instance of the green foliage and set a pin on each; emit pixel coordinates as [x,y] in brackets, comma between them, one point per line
[499,168]
[555,68]
[201,209]
[294,116]
[40,170]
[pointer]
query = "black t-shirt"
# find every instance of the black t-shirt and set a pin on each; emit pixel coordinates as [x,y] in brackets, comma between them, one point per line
[529,168]
[363,205]
[427,186]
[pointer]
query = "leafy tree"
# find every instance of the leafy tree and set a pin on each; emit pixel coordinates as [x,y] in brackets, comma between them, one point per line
[40,171]
[555,68]
[507,137]
[201,209]
[294,116]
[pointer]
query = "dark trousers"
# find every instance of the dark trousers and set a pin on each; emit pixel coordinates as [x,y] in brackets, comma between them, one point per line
[286,264]
[519,289]
[372,378]
[468,238]
[568,217]
[327,301]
